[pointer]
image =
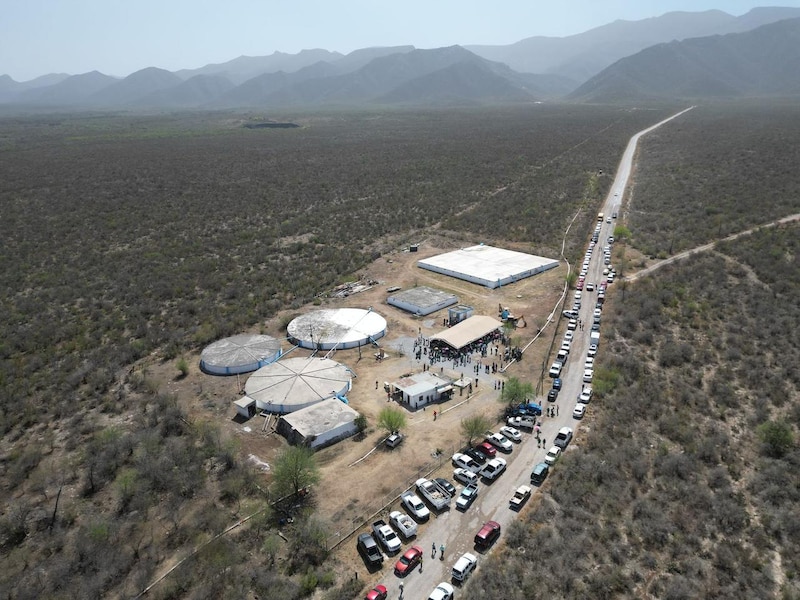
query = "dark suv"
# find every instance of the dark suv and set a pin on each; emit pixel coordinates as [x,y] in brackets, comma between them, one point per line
[476,455]
[368,548]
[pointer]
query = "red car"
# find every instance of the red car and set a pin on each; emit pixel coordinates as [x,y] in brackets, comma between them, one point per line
[487,535]
[408,561]
[487,449]
[377,593]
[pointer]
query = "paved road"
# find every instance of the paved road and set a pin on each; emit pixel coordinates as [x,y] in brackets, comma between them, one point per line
[456,529]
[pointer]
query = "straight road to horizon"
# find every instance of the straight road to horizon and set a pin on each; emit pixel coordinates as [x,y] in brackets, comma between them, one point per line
[455,529]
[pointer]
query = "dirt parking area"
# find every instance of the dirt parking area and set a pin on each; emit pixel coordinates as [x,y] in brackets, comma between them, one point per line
[359,475]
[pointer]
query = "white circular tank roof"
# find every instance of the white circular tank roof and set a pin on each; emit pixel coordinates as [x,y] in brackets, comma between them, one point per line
[239,354]
[294,383]
[338,328]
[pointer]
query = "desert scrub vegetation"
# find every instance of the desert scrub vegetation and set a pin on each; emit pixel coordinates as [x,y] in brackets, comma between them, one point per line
[686,483]
[128,240]
[122,236]
[719,169]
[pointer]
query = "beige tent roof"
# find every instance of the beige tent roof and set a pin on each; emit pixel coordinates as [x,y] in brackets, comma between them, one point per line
[468,331]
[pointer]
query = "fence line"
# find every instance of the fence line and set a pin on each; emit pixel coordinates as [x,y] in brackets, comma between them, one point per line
[381,506]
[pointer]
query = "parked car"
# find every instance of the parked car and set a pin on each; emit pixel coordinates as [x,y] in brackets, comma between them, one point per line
[494,468]
[499,441]
[487,535]
[467,496]
[511,433]
[369,550]
[552,455]
[415,506]
[557,384]
[587,375]
[589,363]
[555,369]
[465,462]
[592,350]
[446,485]
[589,286]
[586,395]
[408,562]
[394,440]
[568,335]
[521,495]
[443,591]
[475,454]
[563,437]
[552,395]
[465,476]
[579,411]
[539,473]
[379,592]
[572,324]
[464,566]
[487,448]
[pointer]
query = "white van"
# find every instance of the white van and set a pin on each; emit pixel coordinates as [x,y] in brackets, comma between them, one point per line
[464,566]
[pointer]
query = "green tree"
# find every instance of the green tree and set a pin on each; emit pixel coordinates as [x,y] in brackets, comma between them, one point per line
[391,419]
[777,437]
[622,233]
[294,469]
[571,279]
[515,391]
[474,426]
[183,367]
[361,424]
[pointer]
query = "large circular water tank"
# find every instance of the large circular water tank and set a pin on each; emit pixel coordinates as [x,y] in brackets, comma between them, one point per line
[294,383]
[338,328]
[239,354]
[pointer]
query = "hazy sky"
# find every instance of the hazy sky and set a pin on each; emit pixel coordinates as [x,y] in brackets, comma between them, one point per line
[118,37]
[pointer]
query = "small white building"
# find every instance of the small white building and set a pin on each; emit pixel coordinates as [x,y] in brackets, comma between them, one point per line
[420,389]
[320,425]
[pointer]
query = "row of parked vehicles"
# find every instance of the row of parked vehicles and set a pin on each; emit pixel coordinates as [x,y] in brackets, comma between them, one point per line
[479,463]
[482,463]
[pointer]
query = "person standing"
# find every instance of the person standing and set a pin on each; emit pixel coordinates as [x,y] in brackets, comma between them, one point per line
[433,550]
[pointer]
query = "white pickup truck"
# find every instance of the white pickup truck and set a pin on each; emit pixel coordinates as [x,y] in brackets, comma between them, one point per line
[403,523]
[386,536]
[433,493]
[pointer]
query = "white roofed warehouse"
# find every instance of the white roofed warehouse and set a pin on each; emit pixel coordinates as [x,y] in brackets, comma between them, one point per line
[320,425]
[487,266]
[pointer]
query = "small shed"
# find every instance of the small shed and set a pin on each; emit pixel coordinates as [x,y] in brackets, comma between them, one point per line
[245,407]
[420,389]
[320,425]
[459,313]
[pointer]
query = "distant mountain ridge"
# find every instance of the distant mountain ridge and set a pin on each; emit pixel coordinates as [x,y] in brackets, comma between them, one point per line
[582,56]
[532,69]
[762,62]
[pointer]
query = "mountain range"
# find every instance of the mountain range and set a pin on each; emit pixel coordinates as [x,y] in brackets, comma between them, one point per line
[676,55]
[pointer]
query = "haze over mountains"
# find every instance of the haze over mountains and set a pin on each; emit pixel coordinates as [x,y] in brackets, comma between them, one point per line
[677,55]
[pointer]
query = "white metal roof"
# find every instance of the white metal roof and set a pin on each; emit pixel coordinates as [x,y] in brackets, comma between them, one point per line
[487,265]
